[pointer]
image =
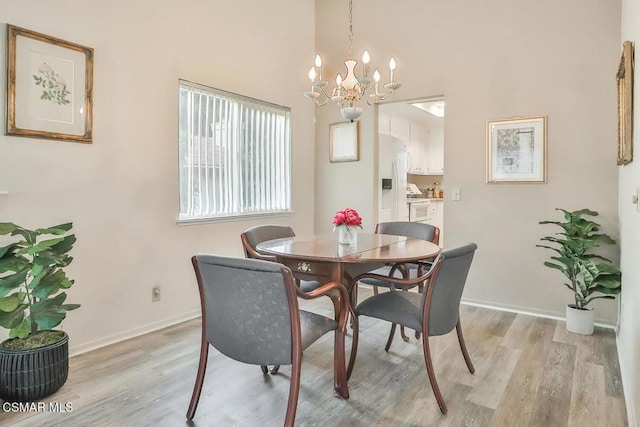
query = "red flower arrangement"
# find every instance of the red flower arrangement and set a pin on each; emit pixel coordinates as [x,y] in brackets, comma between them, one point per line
[348,217]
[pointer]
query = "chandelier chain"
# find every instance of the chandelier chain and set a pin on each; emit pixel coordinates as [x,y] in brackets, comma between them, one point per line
[350,28]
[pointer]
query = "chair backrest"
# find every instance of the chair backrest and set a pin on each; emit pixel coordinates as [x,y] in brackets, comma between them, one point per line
[442,295]
[418,230]
[249,308]
[253,236]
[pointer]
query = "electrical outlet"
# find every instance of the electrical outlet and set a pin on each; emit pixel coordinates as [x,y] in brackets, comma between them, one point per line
[155,294]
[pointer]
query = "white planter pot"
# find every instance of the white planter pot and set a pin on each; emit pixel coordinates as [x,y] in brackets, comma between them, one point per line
[580,321]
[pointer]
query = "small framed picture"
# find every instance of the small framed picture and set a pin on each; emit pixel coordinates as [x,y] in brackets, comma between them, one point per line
[517,150]
[625,104]
[343,142]
[50,87]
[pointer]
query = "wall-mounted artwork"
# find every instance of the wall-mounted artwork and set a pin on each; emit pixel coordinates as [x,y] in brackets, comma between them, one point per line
[517,150]
[625,104]
[50,87]
[343,142]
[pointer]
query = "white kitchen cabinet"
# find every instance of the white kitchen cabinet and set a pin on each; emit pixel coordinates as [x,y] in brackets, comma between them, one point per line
[400,128]
[434,151]
[417,145]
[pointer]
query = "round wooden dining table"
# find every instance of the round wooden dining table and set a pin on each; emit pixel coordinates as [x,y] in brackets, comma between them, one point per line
[322,258]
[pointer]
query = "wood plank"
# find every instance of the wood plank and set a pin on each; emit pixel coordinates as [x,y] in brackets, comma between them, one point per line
[518,333]
[554,392]
[492,384]
[616,411]
[612,379]
[588,407]
[518,401]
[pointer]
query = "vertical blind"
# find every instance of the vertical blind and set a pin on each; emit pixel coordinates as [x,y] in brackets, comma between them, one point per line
[235,155]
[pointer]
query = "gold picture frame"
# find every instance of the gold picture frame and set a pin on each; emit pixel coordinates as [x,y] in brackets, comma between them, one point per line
[517,150]
[49,87]
[624,80]
[343,142]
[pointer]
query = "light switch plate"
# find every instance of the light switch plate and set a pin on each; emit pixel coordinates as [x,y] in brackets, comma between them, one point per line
[455,194]
[638,199]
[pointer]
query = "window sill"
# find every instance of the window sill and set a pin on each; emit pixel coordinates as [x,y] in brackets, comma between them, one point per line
[231,218]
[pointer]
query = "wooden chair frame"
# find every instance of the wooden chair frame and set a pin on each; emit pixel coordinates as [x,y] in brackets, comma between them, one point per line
[430,277]
[340,299]
[402,267]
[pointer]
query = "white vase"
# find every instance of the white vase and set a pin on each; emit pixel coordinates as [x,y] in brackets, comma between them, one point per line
[347,235]
[580,321]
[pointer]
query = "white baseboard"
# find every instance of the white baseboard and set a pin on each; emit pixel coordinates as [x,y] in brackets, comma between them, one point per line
[132,333]
[526,311]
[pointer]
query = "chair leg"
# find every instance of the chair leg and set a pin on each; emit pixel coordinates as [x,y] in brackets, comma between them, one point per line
[294,390]
[353,300]
[404,336]
[275,369]
[264,368]
[354,345]
[340,377]
[432,375]
[463,347]
[420,290]
[197,388]
[390,339]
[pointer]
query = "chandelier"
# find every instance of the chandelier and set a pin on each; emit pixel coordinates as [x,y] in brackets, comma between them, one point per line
[347,92]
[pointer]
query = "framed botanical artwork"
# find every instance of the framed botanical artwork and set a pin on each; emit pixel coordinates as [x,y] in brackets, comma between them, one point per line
[517,150]
[343,142]
[625,104]
[49,87]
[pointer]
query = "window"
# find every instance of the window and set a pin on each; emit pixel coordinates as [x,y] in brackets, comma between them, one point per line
[235,155]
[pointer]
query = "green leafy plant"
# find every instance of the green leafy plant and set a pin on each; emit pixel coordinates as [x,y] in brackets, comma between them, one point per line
[591,276]
[32,278]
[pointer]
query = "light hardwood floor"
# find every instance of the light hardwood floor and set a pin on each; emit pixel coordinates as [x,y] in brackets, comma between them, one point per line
[529,372]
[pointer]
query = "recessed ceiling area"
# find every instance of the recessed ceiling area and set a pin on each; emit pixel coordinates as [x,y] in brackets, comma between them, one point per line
[416,110]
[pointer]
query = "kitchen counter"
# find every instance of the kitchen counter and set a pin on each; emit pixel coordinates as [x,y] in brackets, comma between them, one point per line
[423,199]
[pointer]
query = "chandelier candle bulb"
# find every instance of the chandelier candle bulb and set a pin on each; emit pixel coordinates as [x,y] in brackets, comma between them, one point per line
[365,62]
[319,66]
[392,67]
[376,77]
[312,76]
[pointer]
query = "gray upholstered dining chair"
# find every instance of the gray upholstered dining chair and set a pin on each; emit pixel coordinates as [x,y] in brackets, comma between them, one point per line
[433,312]
[253,236]
[417,230]
[250,313]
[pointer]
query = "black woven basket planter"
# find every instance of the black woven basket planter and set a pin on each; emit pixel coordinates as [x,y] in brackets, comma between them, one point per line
[28,375]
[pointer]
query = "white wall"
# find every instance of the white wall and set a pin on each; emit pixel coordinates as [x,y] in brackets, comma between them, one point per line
[629,333]
[121,192]
[491,60]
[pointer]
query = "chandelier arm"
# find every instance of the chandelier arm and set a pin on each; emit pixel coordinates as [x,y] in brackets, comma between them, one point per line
[326,94]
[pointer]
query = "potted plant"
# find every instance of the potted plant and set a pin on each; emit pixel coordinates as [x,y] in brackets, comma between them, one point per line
[34,361]
[591,276]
